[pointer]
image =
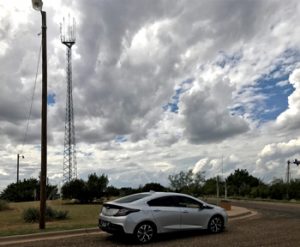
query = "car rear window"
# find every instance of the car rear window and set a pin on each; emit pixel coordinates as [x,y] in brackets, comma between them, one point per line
[166,201]
[132,198]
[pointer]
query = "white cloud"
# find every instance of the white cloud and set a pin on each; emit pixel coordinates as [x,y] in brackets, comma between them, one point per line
[129,59]
[290,118]
[206,115]
[273,158]
[219,166]
[280,150]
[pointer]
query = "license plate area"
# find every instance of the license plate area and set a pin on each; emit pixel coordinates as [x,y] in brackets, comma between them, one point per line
[104,223]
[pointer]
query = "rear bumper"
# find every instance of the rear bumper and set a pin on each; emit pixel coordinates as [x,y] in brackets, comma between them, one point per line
[110,227]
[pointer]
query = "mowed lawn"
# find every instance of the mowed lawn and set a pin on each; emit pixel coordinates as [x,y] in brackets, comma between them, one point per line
[80,216]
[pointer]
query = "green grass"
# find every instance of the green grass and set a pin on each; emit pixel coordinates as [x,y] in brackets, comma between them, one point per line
[214,200]
[80,216]
[3,205]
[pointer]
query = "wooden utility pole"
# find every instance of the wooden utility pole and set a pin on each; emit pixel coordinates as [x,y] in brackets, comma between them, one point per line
[38,5]
[43,177]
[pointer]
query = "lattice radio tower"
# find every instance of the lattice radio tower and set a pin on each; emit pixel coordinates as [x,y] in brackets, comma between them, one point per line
[68,38]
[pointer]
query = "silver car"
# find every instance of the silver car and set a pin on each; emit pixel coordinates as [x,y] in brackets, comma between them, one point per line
[146,214]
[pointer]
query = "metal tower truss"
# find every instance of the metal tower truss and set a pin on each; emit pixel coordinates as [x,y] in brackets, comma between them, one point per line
[69,162]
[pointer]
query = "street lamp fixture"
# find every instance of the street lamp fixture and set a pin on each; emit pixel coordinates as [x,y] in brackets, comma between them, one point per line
[37,5]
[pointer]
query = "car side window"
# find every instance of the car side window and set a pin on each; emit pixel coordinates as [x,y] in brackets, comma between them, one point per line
[166,201]
[187,202]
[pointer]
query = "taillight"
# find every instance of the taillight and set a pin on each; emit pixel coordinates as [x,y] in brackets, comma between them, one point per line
[126,211]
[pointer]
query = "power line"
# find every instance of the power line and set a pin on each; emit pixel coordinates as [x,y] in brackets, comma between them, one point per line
[32,97]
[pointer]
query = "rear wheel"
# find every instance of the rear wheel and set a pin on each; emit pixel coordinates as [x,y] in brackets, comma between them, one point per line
[216,224]
[145,232]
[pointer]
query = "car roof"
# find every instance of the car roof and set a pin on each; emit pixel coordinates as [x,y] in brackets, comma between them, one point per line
[159,194]
[151,195]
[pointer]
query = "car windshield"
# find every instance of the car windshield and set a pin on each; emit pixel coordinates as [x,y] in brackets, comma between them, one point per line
[132,198]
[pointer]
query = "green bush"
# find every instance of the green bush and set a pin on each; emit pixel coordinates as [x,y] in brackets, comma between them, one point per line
[50,213]
[33,214]
[3,205]
[61,215]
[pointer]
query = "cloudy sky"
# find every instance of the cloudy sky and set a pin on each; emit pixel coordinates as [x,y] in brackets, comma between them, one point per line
[159,87]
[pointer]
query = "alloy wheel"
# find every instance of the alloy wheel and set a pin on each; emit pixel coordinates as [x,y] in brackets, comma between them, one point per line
[145,233]
[216,224]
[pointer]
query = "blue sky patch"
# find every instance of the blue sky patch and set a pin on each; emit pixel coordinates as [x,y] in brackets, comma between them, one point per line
[273,87]
[120,139]
[51,99]
[173,105]
[224,59]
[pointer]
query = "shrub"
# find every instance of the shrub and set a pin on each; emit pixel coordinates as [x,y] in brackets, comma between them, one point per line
[61,215]
[50,213]
[3,205]
[33,214]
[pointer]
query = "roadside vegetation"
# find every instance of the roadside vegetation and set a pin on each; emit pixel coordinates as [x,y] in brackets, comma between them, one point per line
[239,184]
[27,190]
[3,205]
[82,200]
[86,191]
[79,216]
[32,214]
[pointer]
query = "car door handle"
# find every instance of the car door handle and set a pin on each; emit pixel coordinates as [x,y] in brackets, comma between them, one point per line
[156,210]
[185,212]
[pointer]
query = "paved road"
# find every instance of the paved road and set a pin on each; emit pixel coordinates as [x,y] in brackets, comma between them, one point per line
[274,225]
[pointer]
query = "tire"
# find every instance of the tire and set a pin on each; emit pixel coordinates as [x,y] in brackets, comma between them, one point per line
[216,224]
[145,232]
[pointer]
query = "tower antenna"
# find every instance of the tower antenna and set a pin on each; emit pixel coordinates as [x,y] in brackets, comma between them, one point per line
[68,38]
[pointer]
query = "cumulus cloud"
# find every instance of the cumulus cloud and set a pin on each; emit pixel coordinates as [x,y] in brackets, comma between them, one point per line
[273,158]
[206,115]
[129,60]
[217,166]
[283,150]
[290,119]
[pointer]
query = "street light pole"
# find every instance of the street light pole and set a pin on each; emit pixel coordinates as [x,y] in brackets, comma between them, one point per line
[38,5]
[43,177]
[18,165]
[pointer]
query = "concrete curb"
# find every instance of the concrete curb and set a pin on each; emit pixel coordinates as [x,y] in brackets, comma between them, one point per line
[46,235]
[243,216]
[239,215]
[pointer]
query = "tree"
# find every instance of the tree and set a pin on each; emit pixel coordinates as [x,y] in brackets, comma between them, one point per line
[187,182]
[83,191]
[261,191]
[278,189]
[26,190]
[240,182]
[294,189]
[124,191]
[153,186]
[75,189]
[96,185]
[112,191]
[181,180]
[210,186]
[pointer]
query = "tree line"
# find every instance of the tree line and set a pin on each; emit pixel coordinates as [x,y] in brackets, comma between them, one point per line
[238,184]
